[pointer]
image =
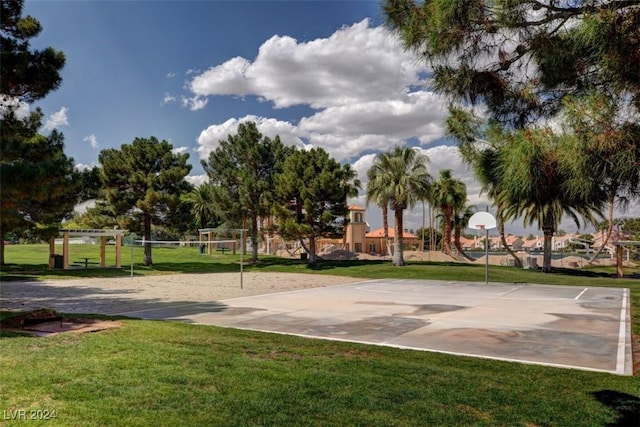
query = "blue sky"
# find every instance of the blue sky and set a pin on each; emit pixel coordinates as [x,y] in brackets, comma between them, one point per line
[318,73]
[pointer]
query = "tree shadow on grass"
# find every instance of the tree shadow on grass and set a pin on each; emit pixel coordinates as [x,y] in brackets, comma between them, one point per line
[35,272]
[626,407]
[578,272]
[106,299]
[330,265]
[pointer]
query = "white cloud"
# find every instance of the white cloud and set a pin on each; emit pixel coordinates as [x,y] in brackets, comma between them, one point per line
[20,109]
[170,75]
[82,207]
[360,80]
[180,150]
[91,139]
[83,167]
[367,92]
[209,138]
[345,131]
[226,79]
[197,180]
[195,103]
[355,64]
[168,98]
[57,119]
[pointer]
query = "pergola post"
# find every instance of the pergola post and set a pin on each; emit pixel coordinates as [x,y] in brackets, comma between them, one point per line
[52,251]
[65,250]
[95,233]
[118,250]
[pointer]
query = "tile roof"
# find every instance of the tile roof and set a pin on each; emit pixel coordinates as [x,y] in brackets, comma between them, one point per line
[380,233]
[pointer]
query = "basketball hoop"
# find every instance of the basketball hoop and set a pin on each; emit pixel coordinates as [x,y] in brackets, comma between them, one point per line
[484,221]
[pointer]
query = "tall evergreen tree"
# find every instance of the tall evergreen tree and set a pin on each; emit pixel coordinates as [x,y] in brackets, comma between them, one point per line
[27,74]
[38,184]
[242,171]
[311,191]
[144,180]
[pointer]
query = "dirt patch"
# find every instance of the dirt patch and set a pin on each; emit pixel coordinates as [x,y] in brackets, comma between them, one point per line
[45,322]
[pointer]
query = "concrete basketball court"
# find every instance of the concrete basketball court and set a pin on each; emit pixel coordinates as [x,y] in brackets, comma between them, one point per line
[571,327]
[563,326]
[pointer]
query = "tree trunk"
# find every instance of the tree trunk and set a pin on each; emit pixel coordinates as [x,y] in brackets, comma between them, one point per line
[243,236]
[609,229]
[546,259]
[398,259]
[345,221]
[422,232]
[446,245]
[432,232]
[503,239]
[312,250]
[254,238]
[385,226]
[457,234]
[147,237]
[2,236]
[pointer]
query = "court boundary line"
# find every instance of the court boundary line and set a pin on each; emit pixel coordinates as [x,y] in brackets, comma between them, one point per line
[622,334]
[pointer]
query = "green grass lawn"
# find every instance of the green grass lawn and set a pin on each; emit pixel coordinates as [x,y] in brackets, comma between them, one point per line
[170,373]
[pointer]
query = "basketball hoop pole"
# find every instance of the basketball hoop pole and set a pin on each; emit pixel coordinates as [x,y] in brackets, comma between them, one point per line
[486,254]
[484,221]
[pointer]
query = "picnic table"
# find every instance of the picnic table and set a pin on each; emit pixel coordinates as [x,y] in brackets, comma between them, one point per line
[84,261]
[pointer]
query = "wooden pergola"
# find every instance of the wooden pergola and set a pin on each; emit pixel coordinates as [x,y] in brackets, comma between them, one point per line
[102,234]
[620,245]
[207,236]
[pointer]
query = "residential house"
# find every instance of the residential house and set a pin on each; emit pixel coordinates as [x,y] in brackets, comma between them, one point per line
[376,245]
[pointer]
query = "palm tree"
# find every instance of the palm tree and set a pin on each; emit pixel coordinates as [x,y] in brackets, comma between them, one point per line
[202,205]
[611,153]
[461,216]
[379,193]
[449,194]
[400,178]
[351,185]
[536,184]
[482,156]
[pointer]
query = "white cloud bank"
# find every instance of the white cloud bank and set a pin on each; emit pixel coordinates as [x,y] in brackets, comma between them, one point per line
[365,94]
[359,80]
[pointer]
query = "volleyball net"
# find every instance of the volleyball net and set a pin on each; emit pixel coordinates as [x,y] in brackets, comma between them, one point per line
[210,241]
[203,246]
